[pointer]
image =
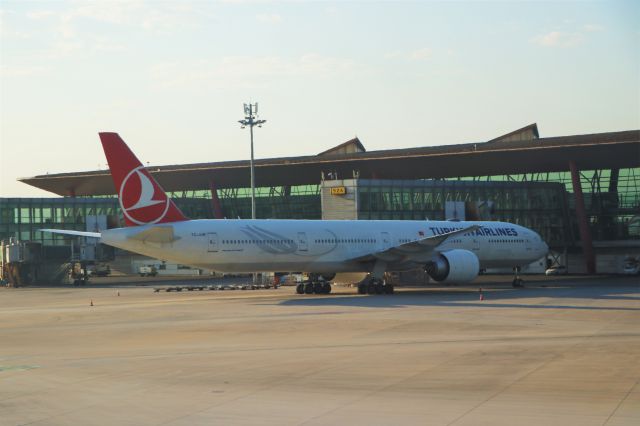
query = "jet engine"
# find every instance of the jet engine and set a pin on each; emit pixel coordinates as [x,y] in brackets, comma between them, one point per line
[454,266]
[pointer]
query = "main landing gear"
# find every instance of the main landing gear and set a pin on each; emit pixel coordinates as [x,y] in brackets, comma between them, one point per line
[375,286]
[517,281]
[314,286]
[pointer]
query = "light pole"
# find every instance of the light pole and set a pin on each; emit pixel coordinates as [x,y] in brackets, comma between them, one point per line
[250,115]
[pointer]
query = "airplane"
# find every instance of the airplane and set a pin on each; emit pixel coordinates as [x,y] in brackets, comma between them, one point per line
[449,252]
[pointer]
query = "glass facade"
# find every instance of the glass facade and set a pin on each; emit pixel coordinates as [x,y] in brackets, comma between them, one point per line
[22,217]
[611,197]
[279,202]
[539,206]
[542,201]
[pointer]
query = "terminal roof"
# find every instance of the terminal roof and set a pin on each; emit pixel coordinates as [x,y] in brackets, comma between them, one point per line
[504,155]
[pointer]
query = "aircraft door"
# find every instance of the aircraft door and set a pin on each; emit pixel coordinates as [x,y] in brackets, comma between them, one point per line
[529,247]
[302,241]
[475,245]
[212,238]
[385,241]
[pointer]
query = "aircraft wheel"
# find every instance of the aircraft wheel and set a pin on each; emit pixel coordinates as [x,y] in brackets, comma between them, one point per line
[326,288]
[308,288]
[379,286]
[362,288]
[517,283]
[318,288]
[300,288]
[388,288]
[371,288]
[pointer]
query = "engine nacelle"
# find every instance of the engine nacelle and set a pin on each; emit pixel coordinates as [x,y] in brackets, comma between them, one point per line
[454,266]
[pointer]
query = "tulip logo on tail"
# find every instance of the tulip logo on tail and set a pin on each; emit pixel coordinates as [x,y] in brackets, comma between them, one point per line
[142,200]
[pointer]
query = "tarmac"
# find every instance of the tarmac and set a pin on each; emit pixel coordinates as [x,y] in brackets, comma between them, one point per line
[561,351]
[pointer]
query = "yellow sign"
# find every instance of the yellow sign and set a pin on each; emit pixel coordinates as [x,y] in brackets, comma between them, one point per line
[338,190]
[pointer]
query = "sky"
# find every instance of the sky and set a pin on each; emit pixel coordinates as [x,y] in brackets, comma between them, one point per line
[172,76]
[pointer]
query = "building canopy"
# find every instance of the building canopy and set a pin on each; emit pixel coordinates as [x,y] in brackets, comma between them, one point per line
[521,151]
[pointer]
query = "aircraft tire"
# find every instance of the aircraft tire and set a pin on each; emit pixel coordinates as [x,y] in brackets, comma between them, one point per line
[318,288]
[362,288]
[300,288]
[379,286]
[326,288]
[371,288]
[388,288]
[308,288]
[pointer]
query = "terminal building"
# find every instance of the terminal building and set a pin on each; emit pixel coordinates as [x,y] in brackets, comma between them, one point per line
[581,193]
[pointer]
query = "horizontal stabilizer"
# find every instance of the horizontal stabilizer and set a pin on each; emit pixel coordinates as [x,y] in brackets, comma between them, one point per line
[73,233]
[155,234]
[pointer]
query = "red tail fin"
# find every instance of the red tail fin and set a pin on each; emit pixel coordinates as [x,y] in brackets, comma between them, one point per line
[142,199]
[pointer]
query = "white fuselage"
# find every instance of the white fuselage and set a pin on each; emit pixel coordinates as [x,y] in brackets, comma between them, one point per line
[322,246]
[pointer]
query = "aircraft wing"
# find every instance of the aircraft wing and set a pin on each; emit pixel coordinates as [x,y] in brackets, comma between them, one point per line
[73,233]
[414,251]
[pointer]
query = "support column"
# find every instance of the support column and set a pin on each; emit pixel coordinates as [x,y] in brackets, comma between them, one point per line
[613,181]
[215,201]
[581,214]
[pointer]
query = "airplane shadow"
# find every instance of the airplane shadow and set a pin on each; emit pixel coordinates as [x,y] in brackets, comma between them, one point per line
[496,295]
